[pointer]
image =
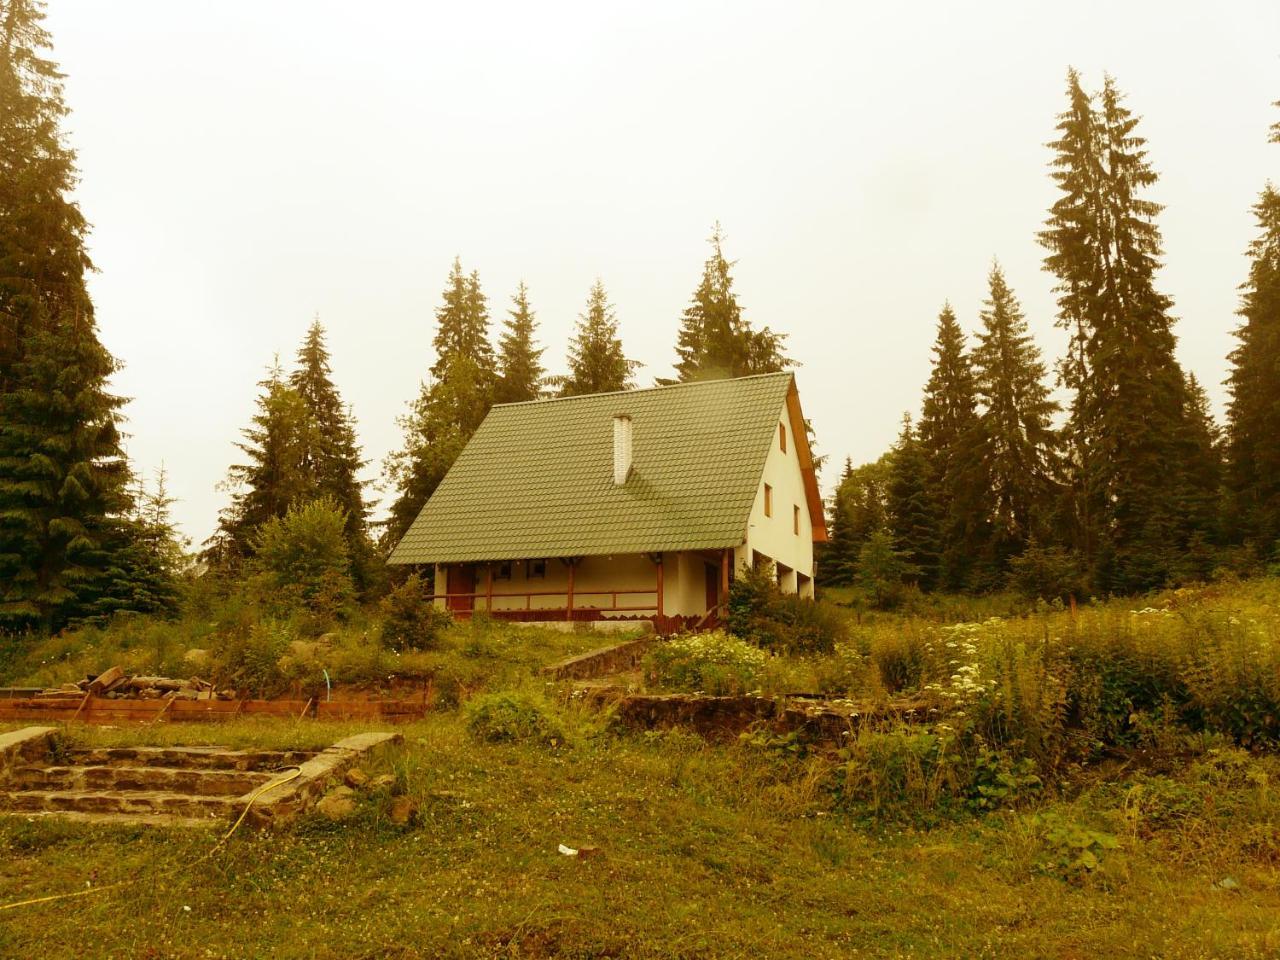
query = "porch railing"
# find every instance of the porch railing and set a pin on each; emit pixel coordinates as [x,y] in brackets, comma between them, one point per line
[484,599]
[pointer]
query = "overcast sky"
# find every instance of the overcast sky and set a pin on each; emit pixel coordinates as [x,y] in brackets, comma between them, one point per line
[247,165]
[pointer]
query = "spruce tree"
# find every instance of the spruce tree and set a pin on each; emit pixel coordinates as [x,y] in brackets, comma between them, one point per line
[450,405]
[596,361]
[332,456]
[1018,451]
[63,477]
[520,372]
[275,474]
[1130,413]
[715,341]
[858,509]
[1253,451]
[951,440]
[913,515]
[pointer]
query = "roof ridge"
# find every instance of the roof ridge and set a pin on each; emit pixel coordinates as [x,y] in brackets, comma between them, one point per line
[655,387]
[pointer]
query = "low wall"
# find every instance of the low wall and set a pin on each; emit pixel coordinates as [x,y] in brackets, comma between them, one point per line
[602,662]
[114,710]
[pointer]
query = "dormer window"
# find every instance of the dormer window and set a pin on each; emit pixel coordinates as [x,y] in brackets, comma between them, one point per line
[782,437]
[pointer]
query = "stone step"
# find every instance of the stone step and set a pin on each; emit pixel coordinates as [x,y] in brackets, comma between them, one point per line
[198,781]
[205,758]
[136,803]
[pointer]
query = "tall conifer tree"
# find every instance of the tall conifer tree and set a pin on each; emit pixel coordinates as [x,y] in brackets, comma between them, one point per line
[274,475]
[450,405]
[1130,413]
[913,512]
[1253,450]
[520,372]
[63,478]
[332,456]
[1018,445]
[951,441]
[715,341]
[596,361]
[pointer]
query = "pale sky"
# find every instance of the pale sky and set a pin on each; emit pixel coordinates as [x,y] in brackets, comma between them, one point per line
[248,164]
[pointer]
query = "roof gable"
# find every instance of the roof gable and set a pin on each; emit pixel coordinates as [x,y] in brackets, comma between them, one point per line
[536,480]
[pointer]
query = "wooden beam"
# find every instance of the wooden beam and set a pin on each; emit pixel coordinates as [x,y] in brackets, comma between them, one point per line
[488,589]
[569,599]
[725,564]
[660,564]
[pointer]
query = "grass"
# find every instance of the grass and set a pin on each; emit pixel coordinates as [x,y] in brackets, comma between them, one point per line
[729,850]
[706,851]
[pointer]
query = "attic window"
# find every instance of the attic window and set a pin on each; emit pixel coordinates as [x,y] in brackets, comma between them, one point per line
[795,520]
[503,571]
[535,570]
[782,437]
[768,500]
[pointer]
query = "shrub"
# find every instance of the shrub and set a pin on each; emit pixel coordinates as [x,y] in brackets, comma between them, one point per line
[763,614]
[899,770]
[716,662]
[250,660]
[1046,573]
[883,570]
[410,621]
[303,559]
[514,716]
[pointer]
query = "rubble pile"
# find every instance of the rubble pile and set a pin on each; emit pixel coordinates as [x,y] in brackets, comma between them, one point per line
[115,684]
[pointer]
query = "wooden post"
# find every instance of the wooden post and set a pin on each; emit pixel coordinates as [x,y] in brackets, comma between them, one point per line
[658,561]
[569,599]
[725,564]
[488,589]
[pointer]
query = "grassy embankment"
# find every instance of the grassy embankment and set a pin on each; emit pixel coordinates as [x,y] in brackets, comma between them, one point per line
[756,848]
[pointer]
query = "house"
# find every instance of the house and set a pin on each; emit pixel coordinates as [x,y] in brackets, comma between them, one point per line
[634,505]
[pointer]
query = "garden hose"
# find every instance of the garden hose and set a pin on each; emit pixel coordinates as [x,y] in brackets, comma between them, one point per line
[297,772]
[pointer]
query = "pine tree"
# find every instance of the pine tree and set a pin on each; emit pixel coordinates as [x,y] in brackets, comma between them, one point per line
[596,361]
[951,441]
[519,362]
[1130,413]
[1201,460]
[913,518]
[858,509]
[332,457]
[1018,444]
[715,341]
[450,406]
[62,474]
[1253,452]
[275,475]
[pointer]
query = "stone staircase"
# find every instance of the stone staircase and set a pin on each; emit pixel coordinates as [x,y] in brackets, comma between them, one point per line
[174,786]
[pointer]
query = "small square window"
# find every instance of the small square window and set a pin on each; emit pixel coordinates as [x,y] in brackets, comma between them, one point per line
[768,500]
[782,437]
[502,571]
[795,520]
[535,569]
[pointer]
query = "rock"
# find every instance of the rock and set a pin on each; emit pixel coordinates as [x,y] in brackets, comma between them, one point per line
[338,804]
[403,810]
[356,778]
[385,782]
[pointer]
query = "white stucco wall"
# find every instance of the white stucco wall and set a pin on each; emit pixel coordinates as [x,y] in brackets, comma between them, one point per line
[774,536]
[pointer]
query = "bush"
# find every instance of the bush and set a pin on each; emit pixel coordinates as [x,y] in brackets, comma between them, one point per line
[784,622]
[1046,573]
[410,621]
[514,716]
[899,770]
[249,660]
[717,663]
[883,571]
[302,558]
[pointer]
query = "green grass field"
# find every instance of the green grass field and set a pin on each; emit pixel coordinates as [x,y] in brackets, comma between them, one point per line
[730,850]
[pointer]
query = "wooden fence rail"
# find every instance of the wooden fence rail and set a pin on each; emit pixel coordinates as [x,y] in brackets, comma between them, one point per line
[108,710]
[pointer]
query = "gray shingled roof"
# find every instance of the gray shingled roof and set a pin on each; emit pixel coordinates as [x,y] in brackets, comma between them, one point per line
[536,480]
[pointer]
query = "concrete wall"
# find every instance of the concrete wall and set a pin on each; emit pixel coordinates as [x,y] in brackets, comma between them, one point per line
[775,536]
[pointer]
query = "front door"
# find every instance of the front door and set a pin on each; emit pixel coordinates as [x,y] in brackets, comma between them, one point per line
[713,586]
[461,580]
